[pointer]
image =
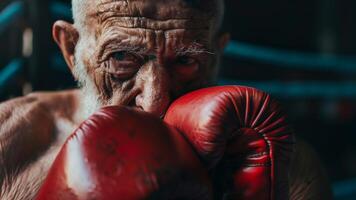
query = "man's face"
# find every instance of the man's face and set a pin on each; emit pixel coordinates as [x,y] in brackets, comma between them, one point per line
[146,53]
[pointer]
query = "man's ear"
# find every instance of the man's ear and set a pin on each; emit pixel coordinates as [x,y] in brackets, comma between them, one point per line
[223,40]
[66,37]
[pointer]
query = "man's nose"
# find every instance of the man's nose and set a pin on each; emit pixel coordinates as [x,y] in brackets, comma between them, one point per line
[154,83]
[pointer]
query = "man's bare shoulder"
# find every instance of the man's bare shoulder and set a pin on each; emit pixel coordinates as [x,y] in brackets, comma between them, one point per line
[42,98]
[41,104]
[28,139]
[30,122]
[33,118]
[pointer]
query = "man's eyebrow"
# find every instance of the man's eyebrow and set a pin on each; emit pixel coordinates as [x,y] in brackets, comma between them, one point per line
[194,48]
[108,2]
[133,49]
[113,45]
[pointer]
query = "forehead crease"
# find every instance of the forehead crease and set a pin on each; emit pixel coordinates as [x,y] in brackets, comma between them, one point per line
[158,9]
[143,40]
[140,35]
[165,25]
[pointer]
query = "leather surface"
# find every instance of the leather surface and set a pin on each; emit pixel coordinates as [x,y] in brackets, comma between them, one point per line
[242,135]
[119,153]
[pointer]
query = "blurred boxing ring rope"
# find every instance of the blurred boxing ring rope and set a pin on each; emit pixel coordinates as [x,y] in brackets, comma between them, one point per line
[7,16]
[345,190]
[8,73]
[10,13]
[287,59]
[283,58]
[290,59]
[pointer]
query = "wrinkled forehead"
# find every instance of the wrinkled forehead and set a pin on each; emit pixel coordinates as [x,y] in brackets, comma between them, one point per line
[159,9]
[202,12]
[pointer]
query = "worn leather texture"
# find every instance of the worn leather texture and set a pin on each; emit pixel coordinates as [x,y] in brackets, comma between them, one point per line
[120,153]
[242,136]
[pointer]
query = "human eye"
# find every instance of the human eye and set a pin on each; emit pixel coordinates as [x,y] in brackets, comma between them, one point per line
[185,66]
[124,57]
[186,61]
[123,65]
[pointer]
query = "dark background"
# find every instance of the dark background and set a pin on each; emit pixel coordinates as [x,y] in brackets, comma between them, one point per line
[322,109]
[325,27]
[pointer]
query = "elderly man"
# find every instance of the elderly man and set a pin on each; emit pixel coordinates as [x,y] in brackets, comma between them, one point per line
[142,54]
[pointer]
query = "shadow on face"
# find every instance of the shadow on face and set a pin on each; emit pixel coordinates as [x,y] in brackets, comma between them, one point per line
[143,54]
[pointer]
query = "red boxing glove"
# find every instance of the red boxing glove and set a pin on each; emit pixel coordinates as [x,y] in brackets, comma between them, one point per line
[119,153]
[241,134]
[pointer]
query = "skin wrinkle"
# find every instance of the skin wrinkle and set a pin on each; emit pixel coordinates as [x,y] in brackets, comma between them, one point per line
[142,21]
[121,39]
[90,96]
[108,85]
[171,37]
[155,32]
[147,23]
[161,30]
[118,40]
[137,8]
[113,45]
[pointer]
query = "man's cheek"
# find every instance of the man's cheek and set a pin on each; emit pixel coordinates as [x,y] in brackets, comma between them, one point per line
[186,73]
[102,83]
[180,88]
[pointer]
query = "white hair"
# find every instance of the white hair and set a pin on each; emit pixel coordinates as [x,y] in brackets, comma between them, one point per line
[79,8]
[90,98]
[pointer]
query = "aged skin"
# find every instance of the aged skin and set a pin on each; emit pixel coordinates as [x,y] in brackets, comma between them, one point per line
[138,53]
[146,54]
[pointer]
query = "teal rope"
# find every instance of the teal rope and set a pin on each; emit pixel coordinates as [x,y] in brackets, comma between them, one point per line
[8,73]
[9,14]
[345,189]
[292,59]
[61,9]
[282,58]
[299,89]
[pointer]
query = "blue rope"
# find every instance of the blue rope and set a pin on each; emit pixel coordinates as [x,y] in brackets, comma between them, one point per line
[299,89]
[10,13]
[61,9]
[283,58]
[8,73]
[345,190]
[292,59]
